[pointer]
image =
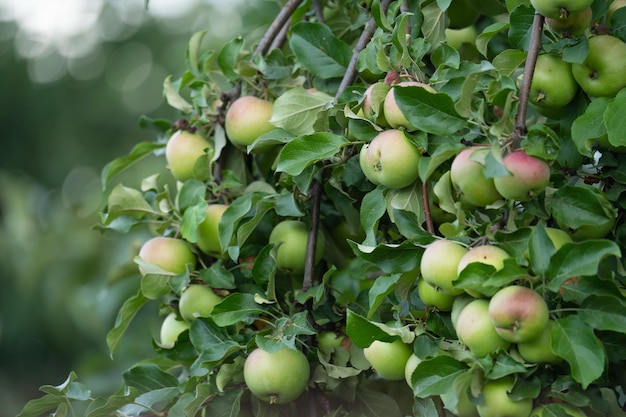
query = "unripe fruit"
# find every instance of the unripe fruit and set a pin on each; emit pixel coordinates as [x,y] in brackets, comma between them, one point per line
[484,254]
[434,297]
[293,236]
[388,359]
[574,25]
[602,74]
[538,350]
[475,329]
[439,265]
[170,254]
[171,328]
[393,114]
[497,403]
[529,177]
[411,365]
[183,150]
[197,301]
[553,85]
[467,175]
[278,377]
[208,230]
[560,9]
[248,118]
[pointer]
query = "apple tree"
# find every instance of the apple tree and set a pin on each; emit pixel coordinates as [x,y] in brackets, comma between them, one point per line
[379,207]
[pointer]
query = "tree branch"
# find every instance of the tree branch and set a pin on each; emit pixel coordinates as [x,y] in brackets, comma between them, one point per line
[529,69]
[430,228]
[276,26]
[311,247]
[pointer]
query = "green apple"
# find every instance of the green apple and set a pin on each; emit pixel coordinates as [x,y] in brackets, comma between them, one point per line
[613,6]
[393,114]
[484,254]
[341,233]
[459,303]
[388,359]
[467,175]
[538,350]
[183,150]
[390,159]
[497,403]
[475,329]
[372,104]
[518,313]
[293,236]
[168,253]
[434,297]
[560,9]
[439,265]
[411,365]
[549,410]
[464,41]
[197,301]
[171,328]
[208,230]
[247,118]
[602,73]
[328,340]
[553,85]
[573,25]
[461,13]
[529,177]
[278,377]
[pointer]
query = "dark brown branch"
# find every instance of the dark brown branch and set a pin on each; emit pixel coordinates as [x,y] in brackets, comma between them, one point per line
[276,26]
[529,69]
[364,39]
[430,228]
[311,247]
[280,38]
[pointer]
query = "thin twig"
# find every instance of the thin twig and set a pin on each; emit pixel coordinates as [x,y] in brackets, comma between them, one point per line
[430,228]
[364,39]
[276,26]
[280,38]
[311,247]
[318,11]
[529,69]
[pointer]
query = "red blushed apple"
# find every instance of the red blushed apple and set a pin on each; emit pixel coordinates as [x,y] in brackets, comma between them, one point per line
[529,177]
[518,313]
[247,118]
[170,254]
[468,177]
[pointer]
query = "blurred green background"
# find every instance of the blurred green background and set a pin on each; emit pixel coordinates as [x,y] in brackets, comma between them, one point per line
[76,76]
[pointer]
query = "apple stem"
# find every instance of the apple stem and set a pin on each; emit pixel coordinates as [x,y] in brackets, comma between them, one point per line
[430,228]
[311,247]
[529,69]
[364,39]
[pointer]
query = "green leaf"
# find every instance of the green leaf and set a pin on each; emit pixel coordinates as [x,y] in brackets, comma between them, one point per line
[229,56]
[217,276]
[382,287]
[303,151]
[112,404]
[375,403]
[147,400]
[429,112]
[521,26]
[173,97]
[41,405]
[509,60]
[192,217]
[540,249]
[604,312]
[154,286]
[435,376]
[578,259]
[297,110]
[392,259]
[213,342]
[363,332]
[190,407]
[149,377]
[125,315]
[575,206]
[429,164]
[615,121]
[589,126]
[126,201]
[120,164]
[379,16]
[482,40]
[194,52]
[227,404]
[372,209]
[234,308]
[574,340]
[319,51]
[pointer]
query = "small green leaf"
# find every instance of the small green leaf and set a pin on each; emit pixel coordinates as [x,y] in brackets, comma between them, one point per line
[604,312]
[234,308]
[125,315]
[615,121]
[482,40]
[41,405]
[372,209]
[228,57]
[214,343]
[154,286]
[303,151]
[429,112]
[393,259]
[382,287]
[126,201]
[174,98]
[194,52]
[120,164]
[297,110]
[192,217]
[589,126]
[217,276]
[319,51]
[363,332]
[435,376]
[149,377]
[540,249]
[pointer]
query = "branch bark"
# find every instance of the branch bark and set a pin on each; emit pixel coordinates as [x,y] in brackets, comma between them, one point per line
[276,26]
[311,247]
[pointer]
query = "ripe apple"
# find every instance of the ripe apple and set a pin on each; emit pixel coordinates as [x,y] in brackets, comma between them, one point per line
[390,159]
[411,365]
[183,150]
[529,177]
[468,177]
[602,73]
[434,297]
[485,254]
[560,9]
[388,359]
[518,313]
[392,112]
[553,85]
[497,403]
[277,377]
[538,350]
[208,230]
[171,328]
[197,301]
[547,410]
[439,265]
[293,236]
[247,118]
[575,24]
[168,253]
[475,329]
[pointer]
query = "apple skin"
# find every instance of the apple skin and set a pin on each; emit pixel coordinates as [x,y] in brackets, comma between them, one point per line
[602,73]
[485,254]
[171,328]
[468,176]
[434,297]
[372,105]
[518,313]
[497,403]
[328,340]
[613,6]
[538,350]
[560,9]
[388,359]
[553,85]
[390,159]
[170,254]
[183,150]
[557,236]
[476,331]
[439,265]
[411,365]
[291,254]
[549,410]
[574,25]
[208,230]
[458,305]
[529,177]
[393,114]
[247,118]
[197,301]
[277,378]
